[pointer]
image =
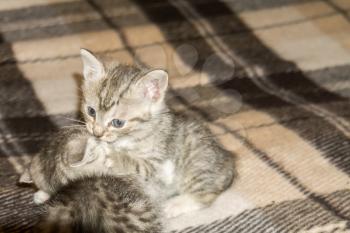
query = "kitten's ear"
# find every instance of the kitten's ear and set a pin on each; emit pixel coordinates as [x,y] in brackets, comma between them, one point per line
[25,178]
[154,84]
[93,68]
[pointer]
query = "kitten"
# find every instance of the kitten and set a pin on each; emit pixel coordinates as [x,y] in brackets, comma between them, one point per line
[51,168]
[59,162]
[103,204]
[93,197]
[124,107]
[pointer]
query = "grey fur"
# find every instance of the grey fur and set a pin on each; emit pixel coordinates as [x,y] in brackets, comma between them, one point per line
[103,204]
[91,198]
[176,154]
[50,168]
[154,136]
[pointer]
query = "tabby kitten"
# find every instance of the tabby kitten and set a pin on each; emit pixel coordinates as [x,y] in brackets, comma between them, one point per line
[124,107]
[51,169]
[60,162]
[103,204]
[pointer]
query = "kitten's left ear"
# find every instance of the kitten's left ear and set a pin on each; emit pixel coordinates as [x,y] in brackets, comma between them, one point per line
[25,178]
[154,84]
[93,68]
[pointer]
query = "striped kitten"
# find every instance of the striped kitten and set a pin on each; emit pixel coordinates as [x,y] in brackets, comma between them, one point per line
[91,198]
[124,106]
[56,164]
[51,169]
[103,204]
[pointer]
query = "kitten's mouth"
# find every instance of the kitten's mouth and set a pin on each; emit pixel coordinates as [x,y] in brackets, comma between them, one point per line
[102,138]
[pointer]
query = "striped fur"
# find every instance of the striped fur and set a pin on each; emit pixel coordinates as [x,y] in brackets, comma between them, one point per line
[153,134]
[91,198]
[103,204]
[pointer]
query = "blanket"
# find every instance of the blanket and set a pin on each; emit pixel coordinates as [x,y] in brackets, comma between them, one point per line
[270,79]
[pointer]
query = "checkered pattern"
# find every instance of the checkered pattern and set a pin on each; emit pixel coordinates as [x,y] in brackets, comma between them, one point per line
[271,79]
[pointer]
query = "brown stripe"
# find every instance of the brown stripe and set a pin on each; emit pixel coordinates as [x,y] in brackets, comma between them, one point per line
[294,216]
[90,24]
[14,86]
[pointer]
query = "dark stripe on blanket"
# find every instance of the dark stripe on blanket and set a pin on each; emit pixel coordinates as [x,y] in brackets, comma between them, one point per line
[288,216]
[254,89]
[316,96]
[18,99]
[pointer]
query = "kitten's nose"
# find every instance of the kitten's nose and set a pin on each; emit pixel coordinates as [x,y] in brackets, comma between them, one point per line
[98,131]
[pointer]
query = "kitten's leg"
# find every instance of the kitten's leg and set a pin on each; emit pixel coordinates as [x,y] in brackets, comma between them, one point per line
[202,179]
[182,204]
[197,192]
[40,197]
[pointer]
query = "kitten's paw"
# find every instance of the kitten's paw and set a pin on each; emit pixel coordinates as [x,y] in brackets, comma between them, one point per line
[180,205]
[40,197]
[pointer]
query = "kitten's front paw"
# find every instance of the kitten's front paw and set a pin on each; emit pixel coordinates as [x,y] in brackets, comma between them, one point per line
[40,197]
[180,205]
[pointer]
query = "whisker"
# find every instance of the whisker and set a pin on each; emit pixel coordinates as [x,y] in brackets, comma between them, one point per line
[73,126]
[74,120]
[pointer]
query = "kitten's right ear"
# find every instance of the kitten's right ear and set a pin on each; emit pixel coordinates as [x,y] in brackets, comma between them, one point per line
[93,68]
[25,177]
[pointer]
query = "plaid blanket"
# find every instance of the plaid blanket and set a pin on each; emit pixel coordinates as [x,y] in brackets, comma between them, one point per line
[269,77]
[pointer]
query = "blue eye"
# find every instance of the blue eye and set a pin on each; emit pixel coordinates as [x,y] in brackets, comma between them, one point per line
[118,123]
[91,111]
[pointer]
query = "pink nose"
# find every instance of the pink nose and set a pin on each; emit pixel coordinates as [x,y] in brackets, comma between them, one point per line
[98,131]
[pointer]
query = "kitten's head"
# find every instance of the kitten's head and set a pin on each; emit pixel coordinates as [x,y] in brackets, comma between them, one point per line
[119,99]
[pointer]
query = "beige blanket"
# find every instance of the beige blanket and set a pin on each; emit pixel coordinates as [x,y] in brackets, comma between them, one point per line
[271,78]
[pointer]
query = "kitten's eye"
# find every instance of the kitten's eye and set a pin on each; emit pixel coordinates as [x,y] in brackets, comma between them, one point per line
[91,111]
[118,123]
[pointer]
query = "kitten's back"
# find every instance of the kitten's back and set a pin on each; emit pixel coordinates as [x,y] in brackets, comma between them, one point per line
[101,204]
